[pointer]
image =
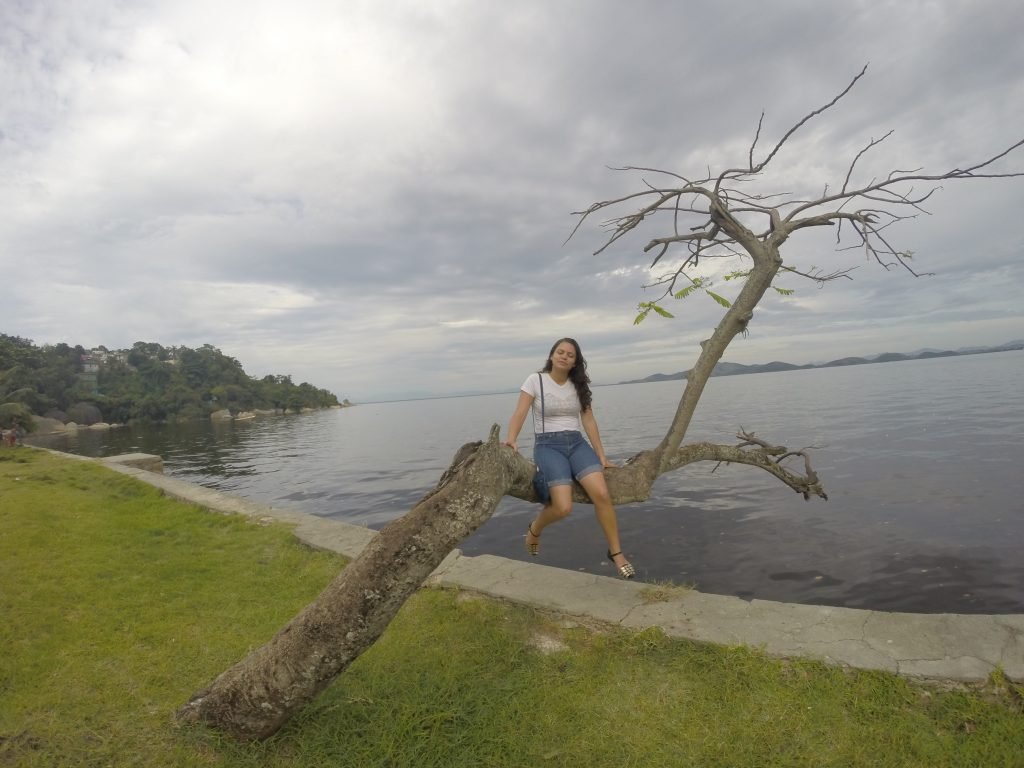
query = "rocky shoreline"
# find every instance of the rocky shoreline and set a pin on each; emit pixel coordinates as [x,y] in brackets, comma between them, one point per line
[41,425]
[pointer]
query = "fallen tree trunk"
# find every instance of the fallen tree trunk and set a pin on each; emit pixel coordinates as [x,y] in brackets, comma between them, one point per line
[259,694]
[256,696]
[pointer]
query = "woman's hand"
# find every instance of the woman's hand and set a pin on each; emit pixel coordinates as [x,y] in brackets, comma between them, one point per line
[518,418]
[607,463]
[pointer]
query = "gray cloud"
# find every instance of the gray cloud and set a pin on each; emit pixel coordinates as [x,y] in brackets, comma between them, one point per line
[376,198]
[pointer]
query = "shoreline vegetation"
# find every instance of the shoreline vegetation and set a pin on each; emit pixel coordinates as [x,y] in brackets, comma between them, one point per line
[119,602]
[41,387]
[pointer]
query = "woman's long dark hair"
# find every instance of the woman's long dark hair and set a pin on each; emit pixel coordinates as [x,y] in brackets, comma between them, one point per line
[578,375]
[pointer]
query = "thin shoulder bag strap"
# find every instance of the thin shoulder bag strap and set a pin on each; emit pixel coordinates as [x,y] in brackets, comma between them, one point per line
[543,426]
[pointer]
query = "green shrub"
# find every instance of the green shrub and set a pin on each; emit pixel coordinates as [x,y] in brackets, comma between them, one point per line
[15,415]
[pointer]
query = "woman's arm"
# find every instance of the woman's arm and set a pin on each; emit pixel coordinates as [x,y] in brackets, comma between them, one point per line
[590,427]
[518,417]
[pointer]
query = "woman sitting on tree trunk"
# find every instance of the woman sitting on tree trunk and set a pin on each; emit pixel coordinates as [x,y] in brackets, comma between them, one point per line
[561,400]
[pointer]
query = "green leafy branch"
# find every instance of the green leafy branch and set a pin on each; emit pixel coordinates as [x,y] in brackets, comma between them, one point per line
[646,307]
[698,284]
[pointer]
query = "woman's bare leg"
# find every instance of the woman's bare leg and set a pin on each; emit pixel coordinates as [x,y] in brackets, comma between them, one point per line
[560,506]
[597,489]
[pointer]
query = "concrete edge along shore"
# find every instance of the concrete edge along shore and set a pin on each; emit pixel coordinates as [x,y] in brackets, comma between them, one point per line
[953,647]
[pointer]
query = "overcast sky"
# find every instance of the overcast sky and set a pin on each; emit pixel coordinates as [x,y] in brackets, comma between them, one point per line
[374,197]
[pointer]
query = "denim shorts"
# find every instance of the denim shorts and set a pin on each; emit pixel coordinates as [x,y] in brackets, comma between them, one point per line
[563,456]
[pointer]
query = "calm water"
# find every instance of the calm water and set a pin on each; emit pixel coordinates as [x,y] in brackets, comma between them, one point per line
[921,461]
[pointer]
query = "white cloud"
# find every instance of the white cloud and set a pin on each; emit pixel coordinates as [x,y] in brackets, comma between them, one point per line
[374,197]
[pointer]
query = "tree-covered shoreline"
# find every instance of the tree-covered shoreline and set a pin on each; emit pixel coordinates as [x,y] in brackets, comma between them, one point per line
[148,382]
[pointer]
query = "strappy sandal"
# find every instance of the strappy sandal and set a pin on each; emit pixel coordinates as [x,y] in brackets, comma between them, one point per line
[626,571]
[533,549]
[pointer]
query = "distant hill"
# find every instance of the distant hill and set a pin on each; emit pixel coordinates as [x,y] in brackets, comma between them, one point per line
[735,369]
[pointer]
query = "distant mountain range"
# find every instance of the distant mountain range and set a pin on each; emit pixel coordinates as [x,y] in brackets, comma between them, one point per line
[735,369]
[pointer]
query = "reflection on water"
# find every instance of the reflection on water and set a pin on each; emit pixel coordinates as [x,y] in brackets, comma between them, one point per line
[919,459]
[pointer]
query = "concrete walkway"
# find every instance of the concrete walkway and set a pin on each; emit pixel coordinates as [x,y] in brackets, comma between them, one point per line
[939,646]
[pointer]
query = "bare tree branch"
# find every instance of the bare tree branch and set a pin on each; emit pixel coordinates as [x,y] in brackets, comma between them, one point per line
[860,154]
[753,169]
[766,458]
[870,209]
[817,276]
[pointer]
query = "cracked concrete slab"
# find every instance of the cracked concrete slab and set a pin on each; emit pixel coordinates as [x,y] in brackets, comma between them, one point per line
[940,646]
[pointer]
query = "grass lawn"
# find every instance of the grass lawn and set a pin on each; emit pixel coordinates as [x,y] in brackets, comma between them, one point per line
[116,604]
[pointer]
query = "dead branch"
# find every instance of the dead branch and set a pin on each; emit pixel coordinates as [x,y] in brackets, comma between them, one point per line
[768,458]
[871,144]
[719,203]
[706,220]
[816,275]
[755,169]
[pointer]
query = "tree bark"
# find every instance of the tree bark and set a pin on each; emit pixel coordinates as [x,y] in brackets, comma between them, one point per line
[256,696]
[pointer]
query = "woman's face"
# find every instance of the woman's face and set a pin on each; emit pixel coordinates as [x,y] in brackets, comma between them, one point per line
[564,357]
